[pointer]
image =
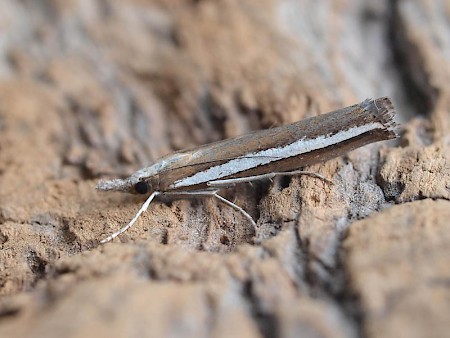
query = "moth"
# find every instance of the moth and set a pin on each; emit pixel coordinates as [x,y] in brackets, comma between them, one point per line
[263,154]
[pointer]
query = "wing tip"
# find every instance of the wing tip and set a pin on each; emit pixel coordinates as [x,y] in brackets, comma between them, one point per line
[383,109]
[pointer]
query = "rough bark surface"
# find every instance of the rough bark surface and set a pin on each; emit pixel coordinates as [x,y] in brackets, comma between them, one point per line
[97,89]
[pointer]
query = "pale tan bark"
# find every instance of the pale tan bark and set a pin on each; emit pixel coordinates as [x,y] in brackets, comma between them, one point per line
[92,89]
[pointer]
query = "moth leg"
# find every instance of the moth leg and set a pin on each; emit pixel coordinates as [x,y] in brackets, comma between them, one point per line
[308,173]
[236,207]
[213,192]
[232,181]
[141,210]
[193,194]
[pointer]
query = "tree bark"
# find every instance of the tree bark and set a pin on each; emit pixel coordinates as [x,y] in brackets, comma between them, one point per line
[99,89]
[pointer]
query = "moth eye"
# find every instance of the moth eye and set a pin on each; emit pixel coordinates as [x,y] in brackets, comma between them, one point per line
[141,187]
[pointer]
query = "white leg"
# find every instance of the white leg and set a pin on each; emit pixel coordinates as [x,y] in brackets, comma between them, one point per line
[231,181]
[141,210]
[193,194]
[236,207]
[212,192]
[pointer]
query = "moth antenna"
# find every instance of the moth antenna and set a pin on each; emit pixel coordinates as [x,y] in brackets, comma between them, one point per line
[129,225]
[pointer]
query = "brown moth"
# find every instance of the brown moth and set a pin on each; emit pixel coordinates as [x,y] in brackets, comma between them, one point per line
[202,171]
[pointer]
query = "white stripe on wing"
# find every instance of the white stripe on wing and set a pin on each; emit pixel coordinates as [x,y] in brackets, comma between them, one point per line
[252,160]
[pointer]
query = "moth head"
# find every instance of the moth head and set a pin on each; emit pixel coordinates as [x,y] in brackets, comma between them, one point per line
[142,187]
[131,185]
